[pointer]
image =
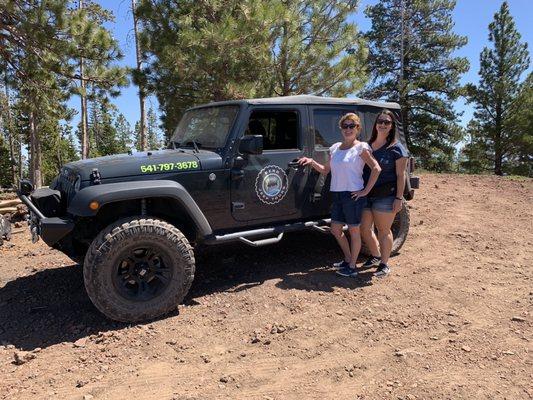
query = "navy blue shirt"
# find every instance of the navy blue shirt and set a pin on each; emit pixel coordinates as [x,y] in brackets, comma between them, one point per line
[386,158]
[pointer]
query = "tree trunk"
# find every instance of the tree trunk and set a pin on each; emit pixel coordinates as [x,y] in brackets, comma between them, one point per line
[142,128]
[403,94]
[498,156]
[10,133]
[84,131]
[35,153]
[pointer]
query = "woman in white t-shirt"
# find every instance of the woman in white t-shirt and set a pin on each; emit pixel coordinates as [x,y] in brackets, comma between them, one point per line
[347,159]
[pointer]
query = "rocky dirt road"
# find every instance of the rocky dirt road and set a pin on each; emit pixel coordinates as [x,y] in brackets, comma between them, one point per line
[453,321]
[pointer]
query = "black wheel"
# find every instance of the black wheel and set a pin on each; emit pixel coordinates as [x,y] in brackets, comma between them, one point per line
[138,269]
[400,229]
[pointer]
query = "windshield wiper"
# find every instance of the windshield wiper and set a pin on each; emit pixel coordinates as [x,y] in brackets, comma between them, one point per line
[196,145]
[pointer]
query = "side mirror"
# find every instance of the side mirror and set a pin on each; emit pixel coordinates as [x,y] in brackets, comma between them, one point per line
[251,144]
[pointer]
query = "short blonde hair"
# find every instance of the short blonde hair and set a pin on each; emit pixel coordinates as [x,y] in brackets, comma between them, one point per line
[352,116]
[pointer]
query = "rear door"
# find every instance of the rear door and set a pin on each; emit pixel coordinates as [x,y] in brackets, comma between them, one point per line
[325,132]
[270,186]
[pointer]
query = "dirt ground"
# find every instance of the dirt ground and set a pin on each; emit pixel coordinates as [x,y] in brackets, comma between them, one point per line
[453,320]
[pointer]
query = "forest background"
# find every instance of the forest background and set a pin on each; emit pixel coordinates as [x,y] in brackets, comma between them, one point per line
[67,92]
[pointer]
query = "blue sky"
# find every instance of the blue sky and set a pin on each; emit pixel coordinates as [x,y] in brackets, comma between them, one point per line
[471,17]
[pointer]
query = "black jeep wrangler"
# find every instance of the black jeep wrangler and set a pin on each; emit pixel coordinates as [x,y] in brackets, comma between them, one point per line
[230,174]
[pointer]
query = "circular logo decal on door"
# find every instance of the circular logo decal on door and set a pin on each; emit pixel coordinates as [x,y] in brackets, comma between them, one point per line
[271,184]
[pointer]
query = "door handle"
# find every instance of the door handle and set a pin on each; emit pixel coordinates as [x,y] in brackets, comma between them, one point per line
[294,164]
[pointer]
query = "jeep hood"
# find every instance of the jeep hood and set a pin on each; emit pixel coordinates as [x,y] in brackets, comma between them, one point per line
[123,165]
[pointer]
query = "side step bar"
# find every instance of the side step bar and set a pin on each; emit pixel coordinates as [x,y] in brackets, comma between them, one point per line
[245,236]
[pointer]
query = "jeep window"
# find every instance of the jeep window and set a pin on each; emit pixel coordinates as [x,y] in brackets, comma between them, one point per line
[326,124]
[206,127]
[278,128]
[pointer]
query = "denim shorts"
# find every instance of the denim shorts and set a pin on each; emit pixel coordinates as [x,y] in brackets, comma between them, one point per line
[346,210]
[382,204]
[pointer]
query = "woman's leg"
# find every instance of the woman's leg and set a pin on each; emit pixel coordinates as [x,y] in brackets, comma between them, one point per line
[367,233]
[355,240]
[383,221]
[336,230]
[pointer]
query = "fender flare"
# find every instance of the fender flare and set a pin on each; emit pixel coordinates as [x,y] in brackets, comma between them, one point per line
[113,192]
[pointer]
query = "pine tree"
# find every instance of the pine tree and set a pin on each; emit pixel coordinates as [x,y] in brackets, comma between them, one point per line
[124,134]
[138,73]
[498,104]
[98,51]
[153,135]
[316,50]
[42,43]
[7,129]
[5,165]
[204,51]
[411,62]
[103,134]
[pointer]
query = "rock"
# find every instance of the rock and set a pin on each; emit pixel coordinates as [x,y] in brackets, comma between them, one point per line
[508,353]
[205,358]
[227,378]
[281,329]
[518,319]
[434,338]
[88,397]
[80,383]
[22,357]
[466,348]
[80,342]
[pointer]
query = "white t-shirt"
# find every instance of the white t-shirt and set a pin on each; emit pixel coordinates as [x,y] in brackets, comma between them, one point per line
[347,167]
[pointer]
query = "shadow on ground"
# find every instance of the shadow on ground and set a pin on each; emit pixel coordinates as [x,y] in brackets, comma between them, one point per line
[52,306]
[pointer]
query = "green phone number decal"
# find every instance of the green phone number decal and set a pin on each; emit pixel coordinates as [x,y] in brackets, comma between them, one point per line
[165,167]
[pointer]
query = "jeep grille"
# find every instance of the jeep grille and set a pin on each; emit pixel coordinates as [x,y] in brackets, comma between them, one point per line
[66,184]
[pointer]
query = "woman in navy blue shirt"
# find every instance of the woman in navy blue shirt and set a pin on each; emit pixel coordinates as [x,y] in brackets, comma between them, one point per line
[385,200]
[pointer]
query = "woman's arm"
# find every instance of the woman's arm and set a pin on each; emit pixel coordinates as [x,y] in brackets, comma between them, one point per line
[375,169]
[401,165]
[323,169]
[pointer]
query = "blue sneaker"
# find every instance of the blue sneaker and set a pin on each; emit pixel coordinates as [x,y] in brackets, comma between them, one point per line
[341,265]
[348,271]
[382,271]
[371,261]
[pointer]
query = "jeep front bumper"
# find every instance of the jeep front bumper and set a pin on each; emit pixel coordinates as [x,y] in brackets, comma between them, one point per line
[50,229]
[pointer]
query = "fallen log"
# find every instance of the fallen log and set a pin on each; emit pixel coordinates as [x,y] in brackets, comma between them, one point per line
[9,210]
[9,203]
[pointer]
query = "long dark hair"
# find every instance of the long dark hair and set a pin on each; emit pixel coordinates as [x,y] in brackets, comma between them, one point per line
[391,137]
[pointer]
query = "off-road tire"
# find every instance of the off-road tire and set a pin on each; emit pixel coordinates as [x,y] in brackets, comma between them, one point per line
[112,243]
[400,229]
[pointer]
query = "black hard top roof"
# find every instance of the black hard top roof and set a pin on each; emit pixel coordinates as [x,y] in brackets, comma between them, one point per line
[311,100]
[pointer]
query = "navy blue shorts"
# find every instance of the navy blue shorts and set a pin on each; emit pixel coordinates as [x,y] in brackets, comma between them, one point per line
[346,210]
[382,204]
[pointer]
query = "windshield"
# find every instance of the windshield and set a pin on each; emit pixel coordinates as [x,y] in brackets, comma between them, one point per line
[205,127]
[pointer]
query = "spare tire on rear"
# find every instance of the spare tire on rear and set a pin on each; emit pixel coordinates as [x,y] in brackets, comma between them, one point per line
[138,269]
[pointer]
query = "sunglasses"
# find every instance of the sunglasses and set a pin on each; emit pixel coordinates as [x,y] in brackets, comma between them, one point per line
[384,122]
[349,126]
